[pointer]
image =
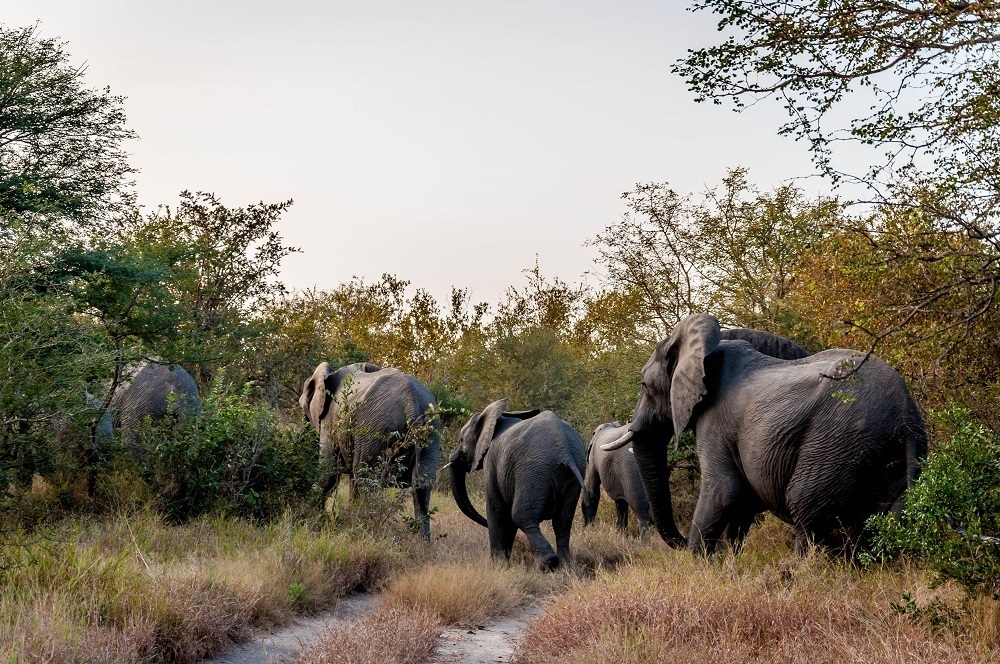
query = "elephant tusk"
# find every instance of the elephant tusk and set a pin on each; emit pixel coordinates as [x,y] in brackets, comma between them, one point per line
[621,442]
[446,465]
[632,450]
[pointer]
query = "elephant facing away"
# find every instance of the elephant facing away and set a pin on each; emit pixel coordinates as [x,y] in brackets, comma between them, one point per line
[618,473]
[534,464]
[147,394]
[364,414]
[822,442]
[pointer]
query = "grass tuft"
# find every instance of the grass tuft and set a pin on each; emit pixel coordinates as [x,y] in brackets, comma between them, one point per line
[394,635]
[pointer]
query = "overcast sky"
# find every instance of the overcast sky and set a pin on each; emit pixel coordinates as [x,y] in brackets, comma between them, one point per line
[448,143]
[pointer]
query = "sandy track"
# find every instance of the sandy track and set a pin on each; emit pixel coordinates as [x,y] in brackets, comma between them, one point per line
[484,644]
[285,644]
[490,643]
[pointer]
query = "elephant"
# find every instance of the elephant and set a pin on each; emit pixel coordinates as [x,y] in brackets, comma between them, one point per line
[146,393]
[534,464]
[822,442]
[618,473]
[366,415]
[143,392]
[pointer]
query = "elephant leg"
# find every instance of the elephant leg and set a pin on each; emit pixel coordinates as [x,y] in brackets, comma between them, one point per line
[717,506]
[501,528]
[562,523]
[641,510]
[421,509]
[621,515]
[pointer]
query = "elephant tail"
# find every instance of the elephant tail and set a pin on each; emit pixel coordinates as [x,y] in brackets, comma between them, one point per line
[583,486]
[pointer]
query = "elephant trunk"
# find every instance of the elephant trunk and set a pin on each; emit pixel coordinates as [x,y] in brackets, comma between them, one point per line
[459,468]
[654,469]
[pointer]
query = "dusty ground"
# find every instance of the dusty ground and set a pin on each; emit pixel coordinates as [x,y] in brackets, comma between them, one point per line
[284,644]
[490,643]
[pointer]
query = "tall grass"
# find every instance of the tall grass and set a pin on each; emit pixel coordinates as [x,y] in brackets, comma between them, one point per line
[764,605]
[131,588]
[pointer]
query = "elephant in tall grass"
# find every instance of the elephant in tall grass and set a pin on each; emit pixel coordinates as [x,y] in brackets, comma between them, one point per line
[368,416]
[822,442]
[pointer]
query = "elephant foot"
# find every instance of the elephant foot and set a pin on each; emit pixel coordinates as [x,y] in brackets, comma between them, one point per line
[549,563]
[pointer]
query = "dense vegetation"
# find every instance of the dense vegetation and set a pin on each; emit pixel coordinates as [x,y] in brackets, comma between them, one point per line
[89,286]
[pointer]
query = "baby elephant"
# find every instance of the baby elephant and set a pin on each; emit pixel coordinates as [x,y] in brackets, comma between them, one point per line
[534,464]
[618,473]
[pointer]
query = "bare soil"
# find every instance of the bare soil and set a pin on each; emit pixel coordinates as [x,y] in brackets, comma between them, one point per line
[490,643]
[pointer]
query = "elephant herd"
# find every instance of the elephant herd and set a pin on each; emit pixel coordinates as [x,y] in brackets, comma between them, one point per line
[821,441]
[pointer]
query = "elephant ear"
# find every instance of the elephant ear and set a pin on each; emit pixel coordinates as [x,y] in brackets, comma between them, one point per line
[314,401]
[484,429]
[694,338]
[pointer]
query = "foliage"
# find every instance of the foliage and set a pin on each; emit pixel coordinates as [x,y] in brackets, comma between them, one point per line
[232,456]
[734,251]
[928,74]
[952,516]
[61,153]
[225,263]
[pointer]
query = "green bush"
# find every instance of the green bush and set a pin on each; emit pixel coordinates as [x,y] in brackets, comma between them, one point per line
[232,456]
[952,516]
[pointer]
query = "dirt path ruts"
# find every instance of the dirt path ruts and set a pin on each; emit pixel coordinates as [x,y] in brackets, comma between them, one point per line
[284,644]
[490,643]
[484,644]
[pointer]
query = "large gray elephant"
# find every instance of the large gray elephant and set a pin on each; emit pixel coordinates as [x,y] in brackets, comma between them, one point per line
[618,473]
[822,442]
[365,413]
[145,392]
[534,464]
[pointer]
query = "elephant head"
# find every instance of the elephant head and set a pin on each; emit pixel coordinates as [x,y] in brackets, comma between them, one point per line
[318,390]
[470,452]
[673,383]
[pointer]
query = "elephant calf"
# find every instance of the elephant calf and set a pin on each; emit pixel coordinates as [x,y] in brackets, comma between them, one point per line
[534,464]
[618,472]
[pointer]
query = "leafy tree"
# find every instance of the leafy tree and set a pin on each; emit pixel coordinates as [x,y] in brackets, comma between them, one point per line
[225,263]
[733,252]
[60,141]
[929,73]
[952,516]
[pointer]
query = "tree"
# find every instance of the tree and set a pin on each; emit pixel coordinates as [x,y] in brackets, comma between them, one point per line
[225,267]
[733,252]
[929,72]
[60,141]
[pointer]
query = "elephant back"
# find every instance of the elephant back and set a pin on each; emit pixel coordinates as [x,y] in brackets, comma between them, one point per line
[147,394]
[766,343]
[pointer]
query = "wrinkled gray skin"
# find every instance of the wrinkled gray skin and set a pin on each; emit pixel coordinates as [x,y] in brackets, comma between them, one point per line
[534,464]
[774,435]
[618,473]
[147,394]
[361,411]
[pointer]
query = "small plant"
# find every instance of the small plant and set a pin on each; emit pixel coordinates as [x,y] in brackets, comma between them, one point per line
[952,515]
[297,594]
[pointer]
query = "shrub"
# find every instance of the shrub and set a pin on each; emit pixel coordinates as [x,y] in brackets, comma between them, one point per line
[232,456]
[952,516]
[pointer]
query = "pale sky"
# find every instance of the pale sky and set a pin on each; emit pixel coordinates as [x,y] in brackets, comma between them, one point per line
[448,143]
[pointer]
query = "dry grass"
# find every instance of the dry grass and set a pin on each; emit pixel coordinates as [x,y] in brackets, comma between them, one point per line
[764,605]
[466,593]
[134,589]
[393,635]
